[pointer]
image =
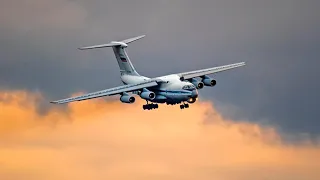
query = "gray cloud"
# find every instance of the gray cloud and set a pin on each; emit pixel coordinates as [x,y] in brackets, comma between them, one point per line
[279,40]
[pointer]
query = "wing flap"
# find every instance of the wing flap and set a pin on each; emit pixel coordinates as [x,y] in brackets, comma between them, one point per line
[108,92]
[202,72]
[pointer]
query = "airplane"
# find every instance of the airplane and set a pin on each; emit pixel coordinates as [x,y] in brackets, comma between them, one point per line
[181,88]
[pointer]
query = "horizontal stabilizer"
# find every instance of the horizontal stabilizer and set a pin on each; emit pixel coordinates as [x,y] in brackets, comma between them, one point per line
[133,39]
[100,46]
[113,43]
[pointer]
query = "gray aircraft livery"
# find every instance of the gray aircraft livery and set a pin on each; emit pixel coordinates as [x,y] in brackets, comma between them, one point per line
[181,88]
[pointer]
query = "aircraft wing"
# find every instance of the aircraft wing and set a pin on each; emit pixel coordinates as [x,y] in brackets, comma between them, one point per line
[109,92]
[202,72]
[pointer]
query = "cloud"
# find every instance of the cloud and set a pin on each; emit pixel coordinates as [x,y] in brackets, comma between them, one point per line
[97,140]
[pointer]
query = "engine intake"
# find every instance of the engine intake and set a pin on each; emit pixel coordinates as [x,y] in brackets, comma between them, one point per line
[207,81]
[198,84]
[148,95]
[126,98]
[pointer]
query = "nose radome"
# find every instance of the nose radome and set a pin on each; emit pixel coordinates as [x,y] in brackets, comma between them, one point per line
[194,93]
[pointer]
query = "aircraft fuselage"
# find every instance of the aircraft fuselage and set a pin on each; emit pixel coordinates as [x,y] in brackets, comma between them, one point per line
[171,91]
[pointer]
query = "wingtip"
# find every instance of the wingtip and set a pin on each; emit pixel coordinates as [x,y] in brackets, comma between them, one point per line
[242,63]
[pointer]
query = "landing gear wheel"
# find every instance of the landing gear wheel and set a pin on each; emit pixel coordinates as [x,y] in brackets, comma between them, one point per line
[181,106]
[150,106]
[186,105]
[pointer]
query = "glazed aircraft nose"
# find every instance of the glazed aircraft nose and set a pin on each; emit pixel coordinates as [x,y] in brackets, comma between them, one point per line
[194,94]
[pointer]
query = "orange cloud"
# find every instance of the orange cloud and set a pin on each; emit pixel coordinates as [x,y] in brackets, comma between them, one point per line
[109,140]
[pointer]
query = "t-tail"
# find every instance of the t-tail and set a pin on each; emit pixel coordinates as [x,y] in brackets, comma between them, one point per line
[122,57]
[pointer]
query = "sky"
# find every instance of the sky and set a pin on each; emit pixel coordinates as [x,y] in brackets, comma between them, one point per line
[267,110]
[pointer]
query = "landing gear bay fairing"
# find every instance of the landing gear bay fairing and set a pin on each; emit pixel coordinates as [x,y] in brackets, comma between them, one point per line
[180,88]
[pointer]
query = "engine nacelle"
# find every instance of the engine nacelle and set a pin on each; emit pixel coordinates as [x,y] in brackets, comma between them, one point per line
[148,95]
[207,81]
[198,84]
[126,98]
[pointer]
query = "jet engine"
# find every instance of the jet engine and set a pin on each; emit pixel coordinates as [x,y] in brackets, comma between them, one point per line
[148,95]
[197,83]
[207,81]
[126,98]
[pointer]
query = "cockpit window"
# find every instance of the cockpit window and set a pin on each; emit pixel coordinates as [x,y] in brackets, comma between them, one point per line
[188,87]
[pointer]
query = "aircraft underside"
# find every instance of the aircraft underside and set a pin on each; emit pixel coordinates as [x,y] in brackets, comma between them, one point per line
[169,99]
[153,105]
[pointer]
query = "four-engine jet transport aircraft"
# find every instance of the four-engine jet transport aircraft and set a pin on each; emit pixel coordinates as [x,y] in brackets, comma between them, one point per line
[171,89]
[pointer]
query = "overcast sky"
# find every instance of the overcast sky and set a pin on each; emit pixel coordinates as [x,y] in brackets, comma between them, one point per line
[278,39]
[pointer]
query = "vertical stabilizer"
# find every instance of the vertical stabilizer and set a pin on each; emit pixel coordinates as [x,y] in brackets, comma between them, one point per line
[124,62]
[118,47]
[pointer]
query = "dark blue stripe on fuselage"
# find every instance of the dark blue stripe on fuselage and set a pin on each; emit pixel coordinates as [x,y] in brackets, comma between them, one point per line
[174,91]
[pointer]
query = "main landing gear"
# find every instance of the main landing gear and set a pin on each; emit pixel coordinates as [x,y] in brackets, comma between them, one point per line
[150,106]
[182,106]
